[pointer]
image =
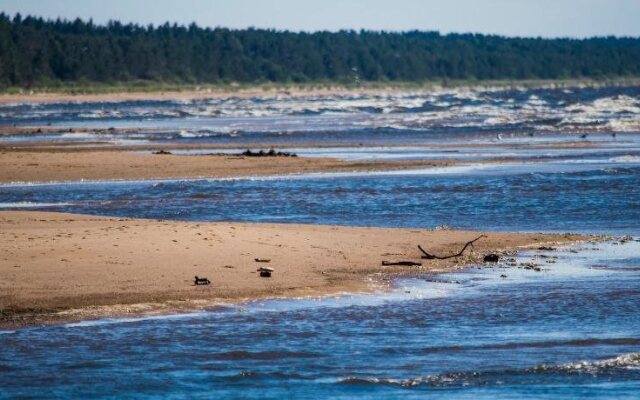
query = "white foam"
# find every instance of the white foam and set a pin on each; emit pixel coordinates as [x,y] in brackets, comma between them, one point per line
[626,159]
[80,135]
[28,204]
[187,134]
[124,320]
[402,290]
[625,361]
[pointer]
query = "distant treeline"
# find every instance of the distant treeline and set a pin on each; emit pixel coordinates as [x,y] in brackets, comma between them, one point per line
[34,51]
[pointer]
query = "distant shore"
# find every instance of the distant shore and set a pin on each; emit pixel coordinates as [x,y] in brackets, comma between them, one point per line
[157,91]
[59,267]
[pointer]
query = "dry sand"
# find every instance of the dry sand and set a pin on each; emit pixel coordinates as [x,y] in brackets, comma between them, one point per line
[38,166]
[61,267]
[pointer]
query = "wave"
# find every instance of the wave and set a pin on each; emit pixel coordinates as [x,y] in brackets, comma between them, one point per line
[254,375]
[29,204]
[124,320]
[187,134]
[625,361]
[261,355]
[626,159]
[546,344]
[609,366]
[80,135]
[452,108]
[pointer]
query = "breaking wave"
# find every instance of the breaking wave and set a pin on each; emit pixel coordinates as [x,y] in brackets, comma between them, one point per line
[585,109]
[28,204]
[610,366]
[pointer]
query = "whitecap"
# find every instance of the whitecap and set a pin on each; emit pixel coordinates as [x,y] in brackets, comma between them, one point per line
[123,320]
[29,204]
[626,159]
[467,378]
[624,361]
[187,134]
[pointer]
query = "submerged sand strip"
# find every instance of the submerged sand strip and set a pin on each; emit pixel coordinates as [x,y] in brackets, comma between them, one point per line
[116,165]
[100,266]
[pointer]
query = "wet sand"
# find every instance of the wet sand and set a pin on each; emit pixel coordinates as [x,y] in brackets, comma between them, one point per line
[58,162]
[53,166]
[59,267]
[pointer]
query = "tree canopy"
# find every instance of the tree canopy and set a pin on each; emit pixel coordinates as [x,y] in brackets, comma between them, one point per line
[35,51]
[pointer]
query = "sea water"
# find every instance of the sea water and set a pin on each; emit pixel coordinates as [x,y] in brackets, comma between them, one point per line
[389,119]
[587,197]
[570,330]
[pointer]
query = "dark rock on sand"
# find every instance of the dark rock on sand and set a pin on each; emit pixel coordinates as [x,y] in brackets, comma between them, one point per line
[491,258]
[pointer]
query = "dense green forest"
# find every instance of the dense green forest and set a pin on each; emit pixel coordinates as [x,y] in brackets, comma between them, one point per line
[34,51]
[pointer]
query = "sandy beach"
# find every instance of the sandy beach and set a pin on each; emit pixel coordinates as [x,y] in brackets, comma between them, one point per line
[62,267]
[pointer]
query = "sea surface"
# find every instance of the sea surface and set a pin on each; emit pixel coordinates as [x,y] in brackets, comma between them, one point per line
[589,197]
[569,330]
[393,118]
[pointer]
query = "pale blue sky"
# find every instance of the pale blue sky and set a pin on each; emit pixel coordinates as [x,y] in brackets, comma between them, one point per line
[548,18]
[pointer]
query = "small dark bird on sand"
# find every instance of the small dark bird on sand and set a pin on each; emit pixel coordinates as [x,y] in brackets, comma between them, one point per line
[201,281]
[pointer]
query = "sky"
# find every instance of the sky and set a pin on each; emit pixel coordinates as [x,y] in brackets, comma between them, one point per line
[545,18]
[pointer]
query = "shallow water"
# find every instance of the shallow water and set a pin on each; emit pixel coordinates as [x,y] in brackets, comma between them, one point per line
[596,147]
[571,330]
[568,331]
[592,197]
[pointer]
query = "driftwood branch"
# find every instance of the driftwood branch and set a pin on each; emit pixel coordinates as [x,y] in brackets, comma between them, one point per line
[406,263]
[429,256]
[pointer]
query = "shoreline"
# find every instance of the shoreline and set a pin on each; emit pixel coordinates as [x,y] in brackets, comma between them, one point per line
[41,164]
[61,267]
[122,92]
